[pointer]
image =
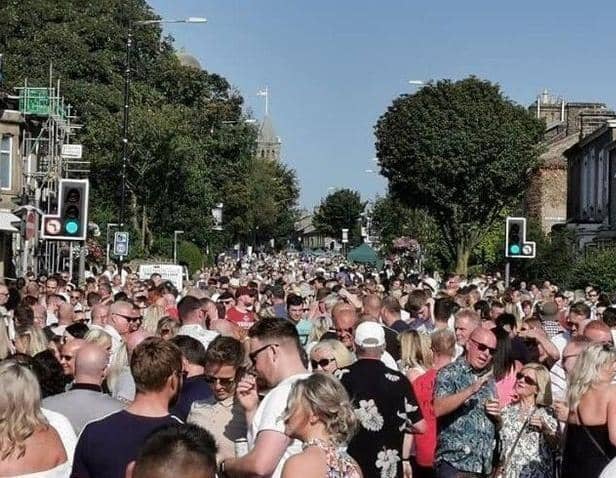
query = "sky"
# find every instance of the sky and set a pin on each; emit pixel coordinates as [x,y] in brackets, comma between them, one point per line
[334,66]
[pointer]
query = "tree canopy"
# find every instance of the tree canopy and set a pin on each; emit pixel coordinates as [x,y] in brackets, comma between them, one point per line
[190,146]
[460,150]
[340,210]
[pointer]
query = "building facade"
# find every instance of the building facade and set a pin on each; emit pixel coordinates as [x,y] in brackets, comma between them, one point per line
[591,188]
[566,123]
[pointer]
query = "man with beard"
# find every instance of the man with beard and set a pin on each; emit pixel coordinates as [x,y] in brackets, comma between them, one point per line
[107,445]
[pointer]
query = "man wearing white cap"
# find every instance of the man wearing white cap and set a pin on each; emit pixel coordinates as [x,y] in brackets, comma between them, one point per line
[385,405]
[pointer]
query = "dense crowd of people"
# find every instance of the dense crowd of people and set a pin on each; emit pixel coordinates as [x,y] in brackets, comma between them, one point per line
[290,366]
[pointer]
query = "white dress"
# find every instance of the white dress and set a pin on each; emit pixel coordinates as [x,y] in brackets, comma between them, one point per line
[60,471]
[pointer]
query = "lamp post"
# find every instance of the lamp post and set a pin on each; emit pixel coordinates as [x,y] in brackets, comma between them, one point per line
[175,245]
[127,71]
[109,226]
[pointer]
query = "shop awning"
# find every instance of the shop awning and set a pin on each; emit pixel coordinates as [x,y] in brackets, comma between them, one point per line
[6,218]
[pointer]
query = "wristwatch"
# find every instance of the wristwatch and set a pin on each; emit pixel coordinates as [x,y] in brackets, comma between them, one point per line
[221,469]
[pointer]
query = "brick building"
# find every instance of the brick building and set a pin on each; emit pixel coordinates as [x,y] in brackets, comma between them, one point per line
[566,124]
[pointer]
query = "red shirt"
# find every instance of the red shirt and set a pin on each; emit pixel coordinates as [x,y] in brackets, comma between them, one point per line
[245,320]
[425,443]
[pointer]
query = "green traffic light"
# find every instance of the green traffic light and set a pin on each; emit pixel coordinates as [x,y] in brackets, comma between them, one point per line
[514,249]
[71,227]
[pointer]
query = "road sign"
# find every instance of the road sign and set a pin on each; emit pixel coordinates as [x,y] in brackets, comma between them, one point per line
[120,244]
[345,236]
[72,151]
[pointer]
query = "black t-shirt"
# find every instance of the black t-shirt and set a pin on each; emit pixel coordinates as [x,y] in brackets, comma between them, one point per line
[392,345]
[385,405]
[107,445]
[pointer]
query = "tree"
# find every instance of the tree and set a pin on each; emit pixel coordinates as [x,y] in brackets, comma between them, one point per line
[461,151]
[188,138]
[340,210]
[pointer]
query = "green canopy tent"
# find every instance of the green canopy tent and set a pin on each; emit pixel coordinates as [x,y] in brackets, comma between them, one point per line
[364,254]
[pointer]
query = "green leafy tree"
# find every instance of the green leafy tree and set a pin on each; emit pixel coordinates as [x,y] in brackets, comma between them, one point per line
[340,210]
[461,151]
[188,139]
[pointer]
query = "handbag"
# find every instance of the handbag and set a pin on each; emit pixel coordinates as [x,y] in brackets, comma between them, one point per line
[498,470]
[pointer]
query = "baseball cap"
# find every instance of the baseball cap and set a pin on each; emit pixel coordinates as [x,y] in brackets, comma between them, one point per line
[369,334]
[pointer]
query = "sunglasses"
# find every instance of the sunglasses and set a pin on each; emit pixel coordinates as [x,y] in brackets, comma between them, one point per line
[526,378]
[130,318]
[223,381]
[483,347]
[253,355]
[321,363]
[342,331]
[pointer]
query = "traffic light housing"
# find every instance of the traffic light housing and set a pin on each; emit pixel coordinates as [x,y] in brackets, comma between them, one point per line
[71,221]
[516,245]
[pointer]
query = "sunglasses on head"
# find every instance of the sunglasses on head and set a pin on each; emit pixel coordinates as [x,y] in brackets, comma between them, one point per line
[526,378]
[483,347]
[321,363]
[223,381]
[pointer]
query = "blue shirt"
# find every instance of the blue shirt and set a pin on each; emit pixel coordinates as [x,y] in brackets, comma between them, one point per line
[466,437]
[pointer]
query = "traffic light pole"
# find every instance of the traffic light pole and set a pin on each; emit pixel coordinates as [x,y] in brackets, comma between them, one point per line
[507,274]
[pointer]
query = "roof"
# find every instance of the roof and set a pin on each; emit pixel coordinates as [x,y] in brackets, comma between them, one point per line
[554,157]
[267,134]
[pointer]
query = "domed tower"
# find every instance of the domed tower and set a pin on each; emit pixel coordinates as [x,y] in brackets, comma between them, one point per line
[186,59]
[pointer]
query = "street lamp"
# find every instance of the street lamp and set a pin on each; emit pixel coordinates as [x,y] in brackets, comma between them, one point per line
[175,245]
[129,43]
[417,83]
[109,226]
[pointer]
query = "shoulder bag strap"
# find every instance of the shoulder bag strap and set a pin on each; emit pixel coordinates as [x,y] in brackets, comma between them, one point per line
[517,439]
[590,435]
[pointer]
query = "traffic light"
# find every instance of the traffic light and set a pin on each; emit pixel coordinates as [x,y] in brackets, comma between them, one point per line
[516,245]
[71,221]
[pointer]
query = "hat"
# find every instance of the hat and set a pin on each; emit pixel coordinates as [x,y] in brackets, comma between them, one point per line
[430,282]
[245,291]
[370,334]
[549,311]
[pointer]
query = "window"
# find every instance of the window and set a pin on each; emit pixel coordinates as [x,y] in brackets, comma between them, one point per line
[6,144]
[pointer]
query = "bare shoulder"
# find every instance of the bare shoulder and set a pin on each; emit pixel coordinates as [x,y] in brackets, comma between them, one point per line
[309,464]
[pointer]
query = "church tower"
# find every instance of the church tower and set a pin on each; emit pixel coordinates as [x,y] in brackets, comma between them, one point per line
[268,143]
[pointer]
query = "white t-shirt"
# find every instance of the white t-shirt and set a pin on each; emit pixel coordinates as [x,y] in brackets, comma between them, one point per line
[199,333]
[269,416]
[558,377]
[64,429]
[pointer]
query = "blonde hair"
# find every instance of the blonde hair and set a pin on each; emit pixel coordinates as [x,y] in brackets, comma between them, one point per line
[99,337]
[5,345]
[343,357]
[544,384]
[324,395]
[35,338]
[320,326]
[20,408]
[169,323]
[415,350]
[586,371]
[151,317]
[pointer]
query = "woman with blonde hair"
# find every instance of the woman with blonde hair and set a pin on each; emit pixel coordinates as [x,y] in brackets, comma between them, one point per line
[590,442]
[330,355]
[29,446]
[29,340]
[151,316]
[529,432]
[99,337]
[415,354]
[320,414]
[6,347]
[167,328]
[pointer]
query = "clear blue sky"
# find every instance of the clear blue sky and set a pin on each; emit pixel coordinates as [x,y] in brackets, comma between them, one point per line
[333,66]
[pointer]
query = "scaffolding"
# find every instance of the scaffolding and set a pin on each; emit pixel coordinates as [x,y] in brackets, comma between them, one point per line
[48,156]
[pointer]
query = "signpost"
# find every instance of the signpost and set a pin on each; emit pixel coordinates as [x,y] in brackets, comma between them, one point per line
[120,244]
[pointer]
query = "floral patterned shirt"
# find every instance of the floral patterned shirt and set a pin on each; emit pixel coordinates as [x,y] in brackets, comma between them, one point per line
[466,436]
[386,408]
[532,456]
